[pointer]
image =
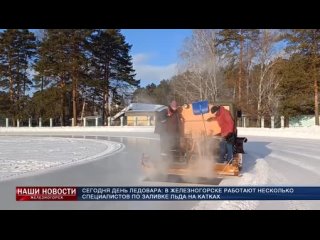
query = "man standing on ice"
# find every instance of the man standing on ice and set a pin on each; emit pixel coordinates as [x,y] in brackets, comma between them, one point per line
[169,129]
[226,123]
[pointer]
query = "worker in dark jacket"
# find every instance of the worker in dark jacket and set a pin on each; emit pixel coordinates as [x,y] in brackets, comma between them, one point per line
[226,123]
[169,129]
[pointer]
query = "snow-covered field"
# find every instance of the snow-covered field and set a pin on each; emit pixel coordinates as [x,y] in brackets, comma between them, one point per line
[21,155]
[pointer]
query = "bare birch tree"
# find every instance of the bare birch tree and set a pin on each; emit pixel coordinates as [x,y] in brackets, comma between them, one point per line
[200,62]
[265,81]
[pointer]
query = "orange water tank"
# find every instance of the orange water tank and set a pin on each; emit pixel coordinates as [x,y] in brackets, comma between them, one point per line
[198,125]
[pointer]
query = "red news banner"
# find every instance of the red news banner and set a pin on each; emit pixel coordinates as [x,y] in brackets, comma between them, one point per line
[46,193]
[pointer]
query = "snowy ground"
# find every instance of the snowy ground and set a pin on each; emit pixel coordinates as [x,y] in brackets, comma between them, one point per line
[297,132]
[274,161]
[76,129]
[275,157]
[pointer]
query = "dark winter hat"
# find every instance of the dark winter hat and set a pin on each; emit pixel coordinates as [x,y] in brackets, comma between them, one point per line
[215,108]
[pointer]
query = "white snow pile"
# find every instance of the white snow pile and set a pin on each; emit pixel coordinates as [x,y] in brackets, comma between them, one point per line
[21,155]
[77,129]
[292,132]
[257,177]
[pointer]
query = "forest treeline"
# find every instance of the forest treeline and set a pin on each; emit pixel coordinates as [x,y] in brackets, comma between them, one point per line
[265,72]
[71,73]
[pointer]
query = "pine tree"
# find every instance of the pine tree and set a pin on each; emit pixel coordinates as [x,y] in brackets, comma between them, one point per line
[17,49]
[62,63]
[232,43]
[42,99]
[307,43]
[295,90]
[110,66]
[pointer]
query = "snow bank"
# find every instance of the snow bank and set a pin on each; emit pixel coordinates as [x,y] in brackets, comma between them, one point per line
[298,132]
[294,132]
[258,176]
[78,129]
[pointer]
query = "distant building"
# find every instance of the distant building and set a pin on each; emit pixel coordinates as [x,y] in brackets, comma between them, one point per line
[139,114]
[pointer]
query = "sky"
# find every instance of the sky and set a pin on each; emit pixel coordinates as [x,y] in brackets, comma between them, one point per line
[155,52]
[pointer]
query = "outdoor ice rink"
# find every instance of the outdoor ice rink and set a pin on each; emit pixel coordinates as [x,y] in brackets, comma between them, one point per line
[113,159]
